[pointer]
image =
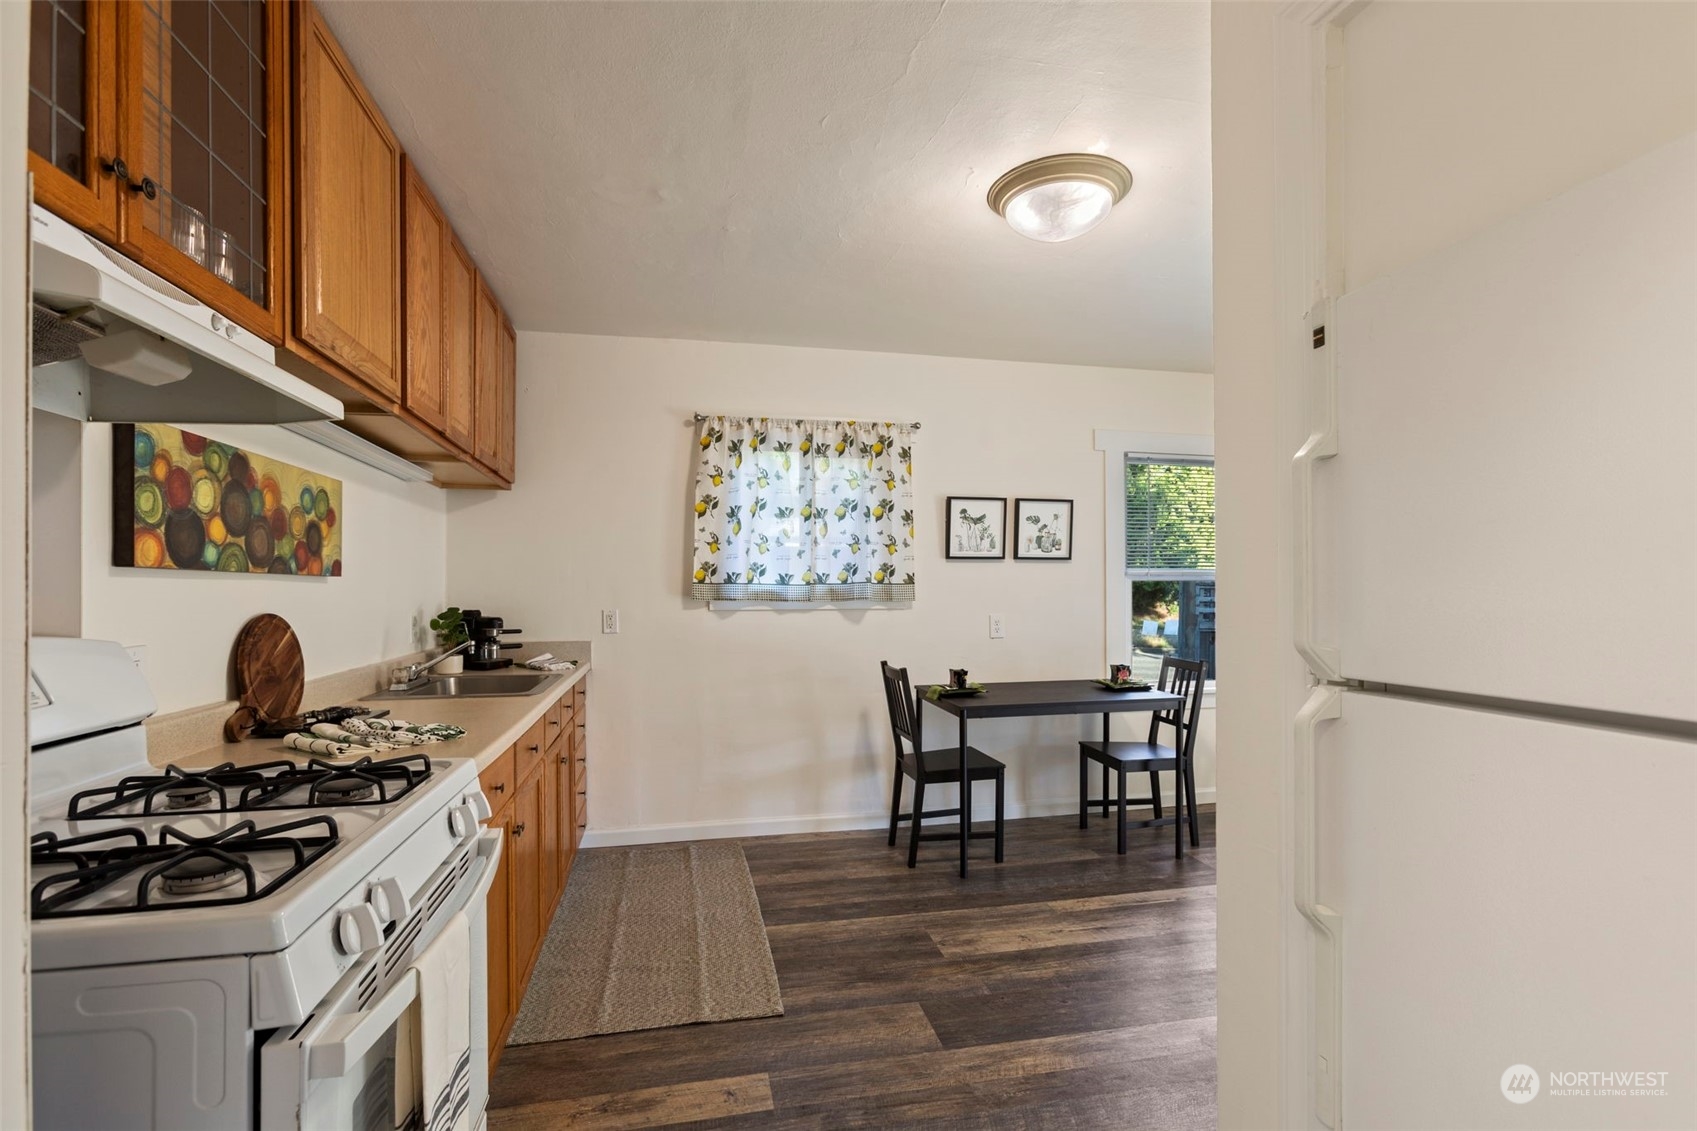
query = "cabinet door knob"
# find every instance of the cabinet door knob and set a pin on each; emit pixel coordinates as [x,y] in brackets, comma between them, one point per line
[565,760]
[499,787]
[116,168]
[518,829]
[147,186]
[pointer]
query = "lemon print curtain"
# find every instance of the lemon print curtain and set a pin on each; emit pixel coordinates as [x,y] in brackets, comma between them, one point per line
[802,510]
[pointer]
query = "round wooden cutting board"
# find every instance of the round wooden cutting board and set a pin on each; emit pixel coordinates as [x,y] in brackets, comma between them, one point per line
[270,670]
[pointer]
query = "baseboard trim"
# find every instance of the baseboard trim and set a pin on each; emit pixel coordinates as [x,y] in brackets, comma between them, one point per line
[779,826]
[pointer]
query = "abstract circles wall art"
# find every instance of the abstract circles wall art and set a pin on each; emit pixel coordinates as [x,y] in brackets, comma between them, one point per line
[183,501]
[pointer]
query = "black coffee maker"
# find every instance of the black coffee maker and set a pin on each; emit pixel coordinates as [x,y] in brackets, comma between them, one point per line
[486,642]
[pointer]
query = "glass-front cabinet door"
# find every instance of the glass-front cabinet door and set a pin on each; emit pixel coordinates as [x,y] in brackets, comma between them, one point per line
[194,97]
[204,79]
[72,111]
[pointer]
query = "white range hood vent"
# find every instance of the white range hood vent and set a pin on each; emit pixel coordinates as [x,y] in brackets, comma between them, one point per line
[113,337]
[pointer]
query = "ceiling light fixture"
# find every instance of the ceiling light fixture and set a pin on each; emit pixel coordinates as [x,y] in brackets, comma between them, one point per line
[1061,197]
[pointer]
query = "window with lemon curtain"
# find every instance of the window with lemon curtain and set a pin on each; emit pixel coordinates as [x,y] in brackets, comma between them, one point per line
[803,511]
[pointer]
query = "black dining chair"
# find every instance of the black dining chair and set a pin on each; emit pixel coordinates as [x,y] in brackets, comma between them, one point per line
[1183,678]
[931,767]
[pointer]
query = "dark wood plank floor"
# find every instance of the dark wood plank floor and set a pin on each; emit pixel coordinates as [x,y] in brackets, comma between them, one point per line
[1069,988]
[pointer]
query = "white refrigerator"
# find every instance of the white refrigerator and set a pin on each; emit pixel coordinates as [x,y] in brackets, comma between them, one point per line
[1497,767]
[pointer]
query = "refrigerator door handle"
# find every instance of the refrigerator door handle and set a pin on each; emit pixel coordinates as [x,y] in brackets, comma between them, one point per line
[1322,443]
[1324,703]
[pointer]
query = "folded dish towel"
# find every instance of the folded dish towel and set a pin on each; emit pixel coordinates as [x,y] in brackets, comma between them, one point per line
[362,738]
[398,732]
[328,747]
[548,663]
[444,1027]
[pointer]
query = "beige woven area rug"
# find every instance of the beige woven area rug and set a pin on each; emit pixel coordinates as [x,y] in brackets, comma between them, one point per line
[647,937]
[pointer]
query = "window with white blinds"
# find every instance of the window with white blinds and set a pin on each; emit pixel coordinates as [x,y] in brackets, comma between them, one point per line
[1169,518]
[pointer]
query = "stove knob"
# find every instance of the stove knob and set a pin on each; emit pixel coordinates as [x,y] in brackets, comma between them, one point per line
[479,804]
[458,824]
[358,930]
[389,901]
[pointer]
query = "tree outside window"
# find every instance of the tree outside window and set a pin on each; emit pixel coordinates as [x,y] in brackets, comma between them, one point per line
[1170,561]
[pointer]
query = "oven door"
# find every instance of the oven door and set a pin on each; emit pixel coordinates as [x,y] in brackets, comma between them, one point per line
[337,1071]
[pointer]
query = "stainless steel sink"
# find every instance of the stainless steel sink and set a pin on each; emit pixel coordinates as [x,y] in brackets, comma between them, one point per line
[477,685]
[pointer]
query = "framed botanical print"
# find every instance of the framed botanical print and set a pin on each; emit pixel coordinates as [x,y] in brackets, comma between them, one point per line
[977,528]
[1043,530]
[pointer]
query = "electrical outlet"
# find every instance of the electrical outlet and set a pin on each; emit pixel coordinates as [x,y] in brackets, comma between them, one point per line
[997,628]
[609,621]
[138,653]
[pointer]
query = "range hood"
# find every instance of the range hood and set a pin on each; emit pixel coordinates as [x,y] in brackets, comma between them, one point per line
[115,342]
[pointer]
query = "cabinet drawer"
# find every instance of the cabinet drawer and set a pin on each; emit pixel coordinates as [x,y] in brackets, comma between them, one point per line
[497,780]
[580,699]
[529,748]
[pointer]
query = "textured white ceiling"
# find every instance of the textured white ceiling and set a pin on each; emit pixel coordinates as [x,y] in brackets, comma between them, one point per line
[811,173]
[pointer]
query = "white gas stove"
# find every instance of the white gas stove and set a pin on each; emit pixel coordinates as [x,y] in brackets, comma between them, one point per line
[234,944]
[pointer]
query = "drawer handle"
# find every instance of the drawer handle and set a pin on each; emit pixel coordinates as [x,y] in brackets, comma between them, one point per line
[533,748]
[499,787]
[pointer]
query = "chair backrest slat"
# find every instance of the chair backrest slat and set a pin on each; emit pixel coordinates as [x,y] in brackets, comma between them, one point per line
[898,695]
[1185,679]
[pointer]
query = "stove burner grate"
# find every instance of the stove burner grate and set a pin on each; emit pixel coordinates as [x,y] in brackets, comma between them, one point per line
[180,867]
[282,784]
[139,795]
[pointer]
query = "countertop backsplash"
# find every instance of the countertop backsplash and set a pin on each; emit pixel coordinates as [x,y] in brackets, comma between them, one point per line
[183,736]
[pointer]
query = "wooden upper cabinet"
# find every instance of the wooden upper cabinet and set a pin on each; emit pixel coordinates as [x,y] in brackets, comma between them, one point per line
[424,241]
[73,117]
[158,125]
[487,410]
[459,333]
[348,217]
[507,426]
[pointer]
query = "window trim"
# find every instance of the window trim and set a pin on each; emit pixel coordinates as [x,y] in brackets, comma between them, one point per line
[1116,447]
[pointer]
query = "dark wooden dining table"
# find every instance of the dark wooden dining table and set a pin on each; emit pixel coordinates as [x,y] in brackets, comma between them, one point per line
[1029,699]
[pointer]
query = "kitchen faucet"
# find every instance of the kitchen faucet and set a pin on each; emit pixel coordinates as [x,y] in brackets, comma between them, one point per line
[412,675]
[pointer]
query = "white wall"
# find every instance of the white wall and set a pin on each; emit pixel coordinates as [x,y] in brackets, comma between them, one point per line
[394,570]
[760,721]
[1457,115]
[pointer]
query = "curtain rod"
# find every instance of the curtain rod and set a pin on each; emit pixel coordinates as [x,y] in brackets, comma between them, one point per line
[700,416]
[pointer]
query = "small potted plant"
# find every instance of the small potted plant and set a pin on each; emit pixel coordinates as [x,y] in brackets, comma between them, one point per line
[449,627]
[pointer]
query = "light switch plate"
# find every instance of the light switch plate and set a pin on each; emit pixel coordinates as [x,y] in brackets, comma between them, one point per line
[609,621]
[997,628]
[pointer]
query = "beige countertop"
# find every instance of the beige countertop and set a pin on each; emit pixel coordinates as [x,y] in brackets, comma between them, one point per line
[491,724]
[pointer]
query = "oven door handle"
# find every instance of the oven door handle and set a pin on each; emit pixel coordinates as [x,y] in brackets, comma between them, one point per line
[345,1039]
[342,1041]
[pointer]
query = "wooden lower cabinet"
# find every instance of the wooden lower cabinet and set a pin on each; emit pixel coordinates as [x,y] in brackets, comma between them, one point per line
[500,942]
[526,841]
[539,805]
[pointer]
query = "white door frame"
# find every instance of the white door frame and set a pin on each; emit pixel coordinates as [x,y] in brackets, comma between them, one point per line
[14,567]
[1308,148]
[1266,934]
